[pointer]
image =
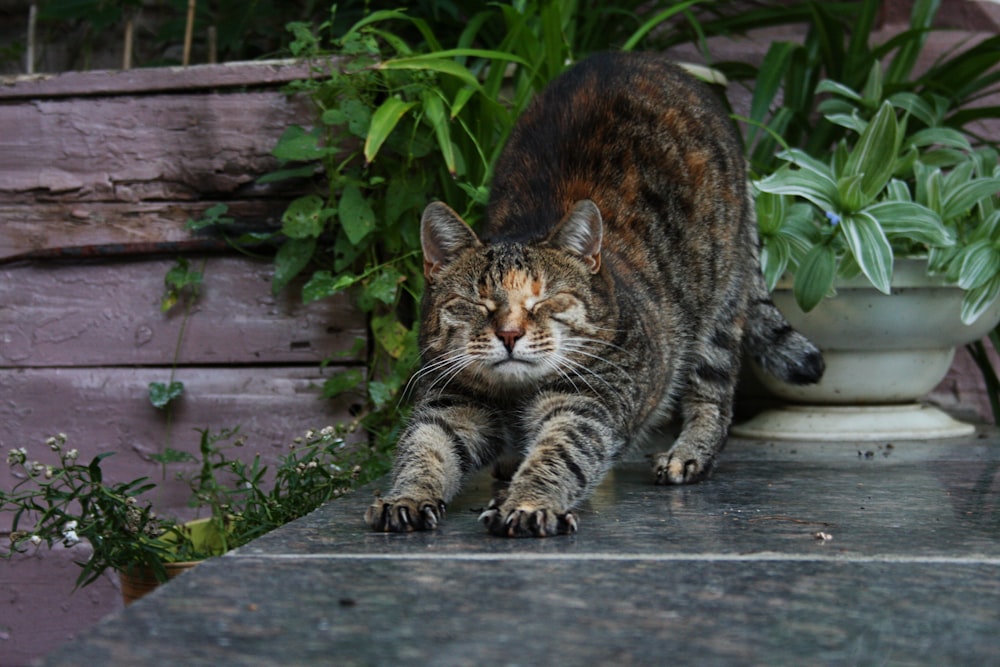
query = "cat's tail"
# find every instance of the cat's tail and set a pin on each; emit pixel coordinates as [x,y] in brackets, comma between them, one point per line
[771,341]
[778,348]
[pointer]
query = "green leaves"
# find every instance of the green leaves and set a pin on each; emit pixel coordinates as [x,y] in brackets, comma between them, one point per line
[292,257]
[303,219]
[873,158]
[299,145]
[813,185]
[384,121]
[814,278]
[180,282]
[162,394]
[870,248]
[357,218]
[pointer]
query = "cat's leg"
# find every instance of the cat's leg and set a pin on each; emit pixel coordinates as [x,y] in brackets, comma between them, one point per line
[706,407]
[571,444]
[441,444]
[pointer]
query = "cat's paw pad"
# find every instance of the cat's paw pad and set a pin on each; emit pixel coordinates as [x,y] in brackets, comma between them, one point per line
[399,515]
[676,468]
[527,522]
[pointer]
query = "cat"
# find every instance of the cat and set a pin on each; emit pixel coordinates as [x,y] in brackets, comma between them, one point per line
[613,285]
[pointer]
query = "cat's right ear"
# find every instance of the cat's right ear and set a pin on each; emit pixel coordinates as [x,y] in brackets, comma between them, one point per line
[443,235]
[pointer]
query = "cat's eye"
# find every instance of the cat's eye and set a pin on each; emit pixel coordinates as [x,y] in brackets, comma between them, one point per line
[553,303]
[460,303]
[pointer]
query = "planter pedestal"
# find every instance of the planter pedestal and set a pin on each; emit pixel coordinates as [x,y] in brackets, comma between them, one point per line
[882,353]
[824,423]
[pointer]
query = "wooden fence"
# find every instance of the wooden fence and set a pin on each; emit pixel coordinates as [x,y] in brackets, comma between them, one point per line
[99,173]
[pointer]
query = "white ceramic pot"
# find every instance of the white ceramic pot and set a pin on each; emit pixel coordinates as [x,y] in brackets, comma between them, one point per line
[882,353]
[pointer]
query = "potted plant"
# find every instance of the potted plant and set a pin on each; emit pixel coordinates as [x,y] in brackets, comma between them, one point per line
[66,501]
[900,223]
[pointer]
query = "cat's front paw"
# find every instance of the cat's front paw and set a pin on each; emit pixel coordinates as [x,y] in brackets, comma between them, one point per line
[527,522]
[678,467]
[400,515]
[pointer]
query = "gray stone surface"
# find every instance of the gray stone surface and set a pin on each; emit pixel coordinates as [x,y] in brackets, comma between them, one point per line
[731,571]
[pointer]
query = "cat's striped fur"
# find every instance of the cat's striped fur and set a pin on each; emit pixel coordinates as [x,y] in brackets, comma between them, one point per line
[613,286]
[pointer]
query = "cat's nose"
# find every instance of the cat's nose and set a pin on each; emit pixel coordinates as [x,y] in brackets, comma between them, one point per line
[509,336]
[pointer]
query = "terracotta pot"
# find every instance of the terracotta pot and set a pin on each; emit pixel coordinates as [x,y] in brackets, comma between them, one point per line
[140,581]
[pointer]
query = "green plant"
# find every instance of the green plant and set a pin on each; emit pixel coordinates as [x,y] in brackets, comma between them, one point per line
[66,502]
[884,192]
[246,501]
[839,45]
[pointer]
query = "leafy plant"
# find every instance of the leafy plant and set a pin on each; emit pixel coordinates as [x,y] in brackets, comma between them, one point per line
[66,502]
[839,45]
[885,192]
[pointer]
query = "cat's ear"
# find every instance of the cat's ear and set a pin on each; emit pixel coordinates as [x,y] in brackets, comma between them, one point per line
[443,235]
[581,233]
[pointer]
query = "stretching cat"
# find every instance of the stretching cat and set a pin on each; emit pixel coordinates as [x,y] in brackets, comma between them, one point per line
[613,285]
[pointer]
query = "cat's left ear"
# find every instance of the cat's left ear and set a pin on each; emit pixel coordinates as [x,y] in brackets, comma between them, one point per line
[581,233]
[443,235]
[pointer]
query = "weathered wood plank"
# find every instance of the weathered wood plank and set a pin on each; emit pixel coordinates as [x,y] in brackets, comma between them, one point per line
[41,609]
[108,410]
[129,149]
[107,314]
[160,79]
[34,228]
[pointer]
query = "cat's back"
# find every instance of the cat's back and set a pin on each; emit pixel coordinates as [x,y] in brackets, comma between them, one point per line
[632,132]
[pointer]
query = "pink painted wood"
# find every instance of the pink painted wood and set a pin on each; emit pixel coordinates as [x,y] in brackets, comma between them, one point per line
[64,314]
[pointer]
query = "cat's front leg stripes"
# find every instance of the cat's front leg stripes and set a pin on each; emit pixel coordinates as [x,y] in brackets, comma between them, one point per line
[441,445]
[571,442]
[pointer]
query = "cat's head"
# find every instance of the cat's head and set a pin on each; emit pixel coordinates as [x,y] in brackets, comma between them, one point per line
[505,314]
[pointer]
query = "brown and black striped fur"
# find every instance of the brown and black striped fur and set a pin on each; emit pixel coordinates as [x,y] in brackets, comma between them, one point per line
[613,285]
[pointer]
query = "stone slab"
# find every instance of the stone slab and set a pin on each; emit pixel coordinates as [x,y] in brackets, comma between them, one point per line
[726,572]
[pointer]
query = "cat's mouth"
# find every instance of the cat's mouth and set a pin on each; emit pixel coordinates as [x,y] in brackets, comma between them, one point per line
[513,361]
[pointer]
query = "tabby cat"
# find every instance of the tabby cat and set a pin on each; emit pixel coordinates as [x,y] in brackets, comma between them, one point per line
[612,286]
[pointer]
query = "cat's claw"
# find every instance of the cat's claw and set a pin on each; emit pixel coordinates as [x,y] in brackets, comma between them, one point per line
[673,469]
[404,515]
[528,523]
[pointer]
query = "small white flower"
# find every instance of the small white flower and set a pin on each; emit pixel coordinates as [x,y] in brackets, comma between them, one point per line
[70,538]
[53,444]
[72,455]
[35,468]
[310,434]
[70,526]
[326,432]
[16,456]
[49,472]
[36,540]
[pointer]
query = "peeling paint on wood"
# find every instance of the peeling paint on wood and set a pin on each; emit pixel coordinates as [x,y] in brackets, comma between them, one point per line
[31,228]
[107,314]
[271,73]
[130,149]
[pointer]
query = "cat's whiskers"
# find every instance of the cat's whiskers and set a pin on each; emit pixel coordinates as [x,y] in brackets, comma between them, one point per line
[579,369]
[451,362]
[463,361]
[585,347]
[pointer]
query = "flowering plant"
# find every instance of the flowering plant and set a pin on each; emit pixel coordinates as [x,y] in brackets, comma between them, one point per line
[66,502]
